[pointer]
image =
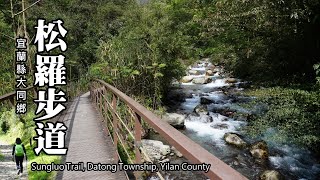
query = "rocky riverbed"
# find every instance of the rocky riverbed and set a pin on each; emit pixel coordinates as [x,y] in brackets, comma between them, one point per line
[206,106]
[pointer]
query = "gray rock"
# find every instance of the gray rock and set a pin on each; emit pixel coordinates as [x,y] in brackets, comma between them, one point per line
[165,150]
[155,149]
[209,72]
[202,118]
[175,120]
[271,175]
[234,139]
[201,110]
[205,100]
[178,154]
[231,80]
[200,80]
[259,150]
[194,72]
[186,79]
[220,126]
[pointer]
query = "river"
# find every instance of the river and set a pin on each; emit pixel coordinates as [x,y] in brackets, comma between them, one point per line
[222,101]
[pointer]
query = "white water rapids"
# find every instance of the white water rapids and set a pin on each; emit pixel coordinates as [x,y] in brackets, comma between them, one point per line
[290,161]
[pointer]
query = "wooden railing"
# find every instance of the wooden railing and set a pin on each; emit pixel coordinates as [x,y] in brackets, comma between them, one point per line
[11,96]
[72,90]
[124,118]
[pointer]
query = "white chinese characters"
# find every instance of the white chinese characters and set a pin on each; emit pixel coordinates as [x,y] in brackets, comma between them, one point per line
[51,139]
[21,71]
[50,72]
[47,104]
[43,32]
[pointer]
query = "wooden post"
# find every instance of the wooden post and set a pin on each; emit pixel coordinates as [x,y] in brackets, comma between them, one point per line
[137,142]
[96,97]
[92,91]
[106,109]
[100,103]
[115,126]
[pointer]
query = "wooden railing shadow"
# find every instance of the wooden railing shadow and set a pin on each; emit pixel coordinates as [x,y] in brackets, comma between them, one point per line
[125,117]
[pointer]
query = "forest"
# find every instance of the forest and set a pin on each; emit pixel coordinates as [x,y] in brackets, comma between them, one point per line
[141,47]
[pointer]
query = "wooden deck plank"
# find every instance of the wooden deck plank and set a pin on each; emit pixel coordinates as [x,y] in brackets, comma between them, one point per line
[89,143]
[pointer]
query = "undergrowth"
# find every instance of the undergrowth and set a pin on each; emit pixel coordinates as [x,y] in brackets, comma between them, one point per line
[293,113]
[23,127]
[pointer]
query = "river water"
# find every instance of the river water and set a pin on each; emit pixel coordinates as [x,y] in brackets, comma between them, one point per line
[292,162]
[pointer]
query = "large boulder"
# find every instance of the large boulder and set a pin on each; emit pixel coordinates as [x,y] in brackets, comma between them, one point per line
[234,139]
[155,149]
[259,150]
[231,80]
[200,80]
[186,79]
[201,110]
[271,175]
[209,72]
[175,120]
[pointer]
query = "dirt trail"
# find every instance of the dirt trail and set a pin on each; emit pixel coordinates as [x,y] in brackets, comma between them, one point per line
[8,168]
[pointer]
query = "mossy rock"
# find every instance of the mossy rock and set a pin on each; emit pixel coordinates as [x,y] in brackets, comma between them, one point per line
[259,150]
[271,175]
[234,139]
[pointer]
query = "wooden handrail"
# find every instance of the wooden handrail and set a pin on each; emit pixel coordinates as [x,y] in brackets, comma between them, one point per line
[191,150]
[11,95]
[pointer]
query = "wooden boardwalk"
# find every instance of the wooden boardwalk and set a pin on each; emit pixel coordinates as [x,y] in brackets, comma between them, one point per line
[88,142]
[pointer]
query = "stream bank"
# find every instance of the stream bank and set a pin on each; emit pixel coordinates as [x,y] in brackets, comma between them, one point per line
[207,104]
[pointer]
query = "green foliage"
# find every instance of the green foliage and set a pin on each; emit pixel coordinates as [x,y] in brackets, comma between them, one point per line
[1,156]
[8,119]
[141,48]
[294,113]
[6,52]
[144,58]
[124,157]
[26,131]
[272,41]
